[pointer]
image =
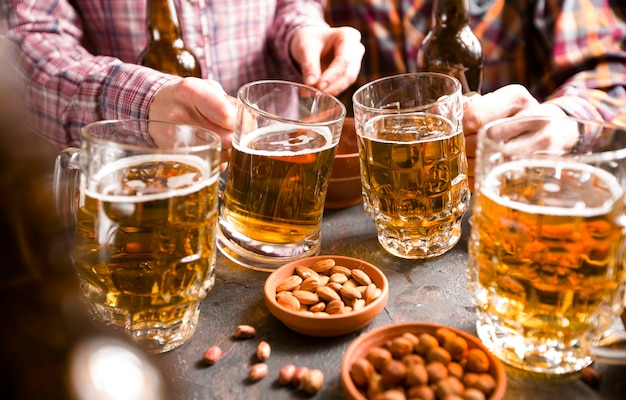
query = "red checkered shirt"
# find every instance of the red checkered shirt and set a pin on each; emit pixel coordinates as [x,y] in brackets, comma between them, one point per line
[570,52]
[78,56]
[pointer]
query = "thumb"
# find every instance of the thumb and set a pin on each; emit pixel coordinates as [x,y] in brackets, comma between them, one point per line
[306,50]
[311,70]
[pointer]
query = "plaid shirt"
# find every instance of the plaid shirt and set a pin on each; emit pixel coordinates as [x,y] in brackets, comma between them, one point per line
[78,56]
[569,52]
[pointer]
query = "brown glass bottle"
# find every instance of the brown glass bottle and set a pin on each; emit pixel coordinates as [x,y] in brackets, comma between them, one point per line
[451,47]
[166,51]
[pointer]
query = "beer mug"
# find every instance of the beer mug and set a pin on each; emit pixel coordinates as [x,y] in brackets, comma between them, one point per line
[413,161]
[547,235]
[284,144]
[145,213]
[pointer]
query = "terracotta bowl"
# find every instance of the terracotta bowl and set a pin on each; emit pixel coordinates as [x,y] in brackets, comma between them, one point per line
[379,336]
[326,325]
[344,186]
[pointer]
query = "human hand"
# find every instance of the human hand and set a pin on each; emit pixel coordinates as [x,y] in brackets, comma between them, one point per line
[329,58]
[510,101]
[199,102]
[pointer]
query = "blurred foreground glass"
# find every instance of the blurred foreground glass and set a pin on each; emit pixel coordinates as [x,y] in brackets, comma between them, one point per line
[145,219]
[413,161]
[545,249]
[285,140]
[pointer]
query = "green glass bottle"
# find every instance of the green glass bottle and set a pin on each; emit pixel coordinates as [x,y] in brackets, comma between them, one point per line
[166,51]
[450,47]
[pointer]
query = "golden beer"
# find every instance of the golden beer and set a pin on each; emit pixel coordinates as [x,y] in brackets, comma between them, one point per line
[414,175]
[544,259]
[276,186]
[146,245]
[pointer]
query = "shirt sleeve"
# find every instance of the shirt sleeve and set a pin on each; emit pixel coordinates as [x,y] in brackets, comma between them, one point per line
[588,48]
[290,16]
[66,86]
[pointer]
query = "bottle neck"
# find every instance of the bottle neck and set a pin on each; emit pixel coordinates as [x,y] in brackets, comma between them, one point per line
[451,13]
[162,21]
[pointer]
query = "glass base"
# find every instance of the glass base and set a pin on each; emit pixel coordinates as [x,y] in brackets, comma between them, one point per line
[405,246]
[262,256]
[545,357]
[152,336]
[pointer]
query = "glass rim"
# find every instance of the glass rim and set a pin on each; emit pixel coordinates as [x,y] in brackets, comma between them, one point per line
[213,140]
[289,120]
[599,156]
[457,90]
[410,114]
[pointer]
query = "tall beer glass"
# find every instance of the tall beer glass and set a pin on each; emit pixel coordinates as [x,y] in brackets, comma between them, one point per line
[545,267]
[413,161]
[145,213]
[284,144]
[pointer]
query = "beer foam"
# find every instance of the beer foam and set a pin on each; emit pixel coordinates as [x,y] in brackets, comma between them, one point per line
[247,140]
[404,128]
[111,168]
[492,183]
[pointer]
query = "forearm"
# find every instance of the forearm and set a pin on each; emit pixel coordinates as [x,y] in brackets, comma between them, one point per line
[588,49]
[583,97]
[66,86]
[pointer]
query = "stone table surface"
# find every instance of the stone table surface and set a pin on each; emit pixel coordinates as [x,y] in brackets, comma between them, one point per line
[429,291]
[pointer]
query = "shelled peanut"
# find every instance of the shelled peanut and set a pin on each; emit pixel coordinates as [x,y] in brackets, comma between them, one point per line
[325,288]
[424,366]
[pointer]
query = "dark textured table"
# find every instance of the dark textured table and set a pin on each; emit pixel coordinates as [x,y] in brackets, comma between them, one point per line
[430,291]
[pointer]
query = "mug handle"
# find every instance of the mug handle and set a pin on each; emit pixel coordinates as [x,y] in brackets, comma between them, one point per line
[65,186]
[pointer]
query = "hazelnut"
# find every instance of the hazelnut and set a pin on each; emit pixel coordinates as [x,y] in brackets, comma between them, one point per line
[312,381]
[417,375]
[439,354]
[421,392]
[477,361]
[436,371]
[393,373]
[427,342]
[457,347]
[361,371]
[378,357]
[400,346]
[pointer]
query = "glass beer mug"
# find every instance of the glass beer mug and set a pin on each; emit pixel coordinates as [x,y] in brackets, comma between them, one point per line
[413,161]
[545,250]
[144,211]
[284,144]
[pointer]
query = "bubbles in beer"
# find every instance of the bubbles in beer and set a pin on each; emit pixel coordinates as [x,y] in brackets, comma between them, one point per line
[544,251]
[414,174]
[276,184]
[145,241]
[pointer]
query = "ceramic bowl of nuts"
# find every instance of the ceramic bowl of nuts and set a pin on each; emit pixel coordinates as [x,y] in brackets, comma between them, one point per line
[421,361]
[326,296]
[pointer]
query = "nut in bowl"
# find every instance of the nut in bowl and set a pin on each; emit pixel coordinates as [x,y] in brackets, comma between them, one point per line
[326,296]
[421,360]
[344,185]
